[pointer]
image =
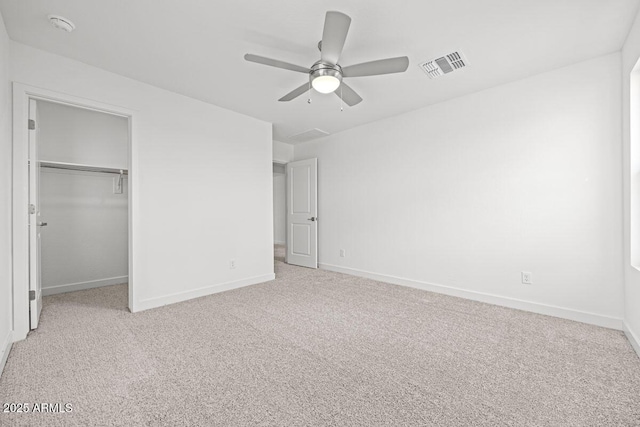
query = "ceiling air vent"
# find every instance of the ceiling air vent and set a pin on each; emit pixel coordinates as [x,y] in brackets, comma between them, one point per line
[308,135]
[444,65]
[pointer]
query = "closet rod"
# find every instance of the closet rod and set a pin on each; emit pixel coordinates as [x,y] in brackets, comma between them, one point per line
[83,168]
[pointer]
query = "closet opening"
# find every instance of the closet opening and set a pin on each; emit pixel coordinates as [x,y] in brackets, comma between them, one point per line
[79,206]
[76,154]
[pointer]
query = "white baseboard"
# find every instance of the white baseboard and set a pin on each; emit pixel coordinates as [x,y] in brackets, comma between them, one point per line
[549,310]
[71,287]
[633,338]
[197,293]
[5,347]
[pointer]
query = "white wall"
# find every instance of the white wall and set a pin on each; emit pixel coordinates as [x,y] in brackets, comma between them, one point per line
[75,135]
[631,168]
[6,314]
[282,152]
[86,241]
[190,162]
[462,196]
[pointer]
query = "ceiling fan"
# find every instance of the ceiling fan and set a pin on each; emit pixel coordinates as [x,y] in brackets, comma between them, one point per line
[326,75]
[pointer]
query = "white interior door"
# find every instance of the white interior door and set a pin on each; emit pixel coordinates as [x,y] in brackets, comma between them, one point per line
[35,222]
[302,213]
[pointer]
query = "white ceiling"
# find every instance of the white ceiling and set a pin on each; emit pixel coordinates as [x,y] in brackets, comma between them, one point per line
[196,47]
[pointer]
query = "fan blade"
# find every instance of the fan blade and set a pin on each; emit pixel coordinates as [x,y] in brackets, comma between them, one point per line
[336,27]
[295,93]
[348,95]
[374,68]
[275,63]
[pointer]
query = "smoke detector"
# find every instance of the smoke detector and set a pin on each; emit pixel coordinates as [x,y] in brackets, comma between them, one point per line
[61,23]
[444,64]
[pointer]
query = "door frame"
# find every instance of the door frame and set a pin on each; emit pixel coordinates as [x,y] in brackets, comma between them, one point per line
[20,197]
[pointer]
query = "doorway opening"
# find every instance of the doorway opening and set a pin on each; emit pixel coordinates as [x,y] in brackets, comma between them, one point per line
[279,212]
[295,212]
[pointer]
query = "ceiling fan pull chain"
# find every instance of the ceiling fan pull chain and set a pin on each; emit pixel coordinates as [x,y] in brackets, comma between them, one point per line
[309,100]
[341,100]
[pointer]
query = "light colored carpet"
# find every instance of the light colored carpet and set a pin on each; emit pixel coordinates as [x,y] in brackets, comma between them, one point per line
[315,348]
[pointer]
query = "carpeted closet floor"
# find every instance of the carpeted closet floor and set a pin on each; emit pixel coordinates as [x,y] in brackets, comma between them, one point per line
[315,348]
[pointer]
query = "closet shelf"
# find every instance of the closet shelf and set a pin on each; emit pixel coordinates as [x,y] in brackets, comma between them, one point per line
[81,167]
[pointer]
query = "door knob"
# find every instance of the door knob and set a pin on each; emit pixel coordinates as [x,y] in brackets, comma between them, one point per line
[313,218]
[42,224]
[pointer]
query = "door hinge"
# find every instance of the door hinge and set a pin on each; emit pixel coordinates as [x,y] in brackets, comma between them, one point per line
[32,209]
[32,124]
[32,295]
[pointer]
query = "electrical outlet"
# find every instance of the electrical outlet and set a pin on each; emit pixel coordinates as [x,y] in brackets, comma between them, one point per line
[527,278]
[232,264]
[342,253]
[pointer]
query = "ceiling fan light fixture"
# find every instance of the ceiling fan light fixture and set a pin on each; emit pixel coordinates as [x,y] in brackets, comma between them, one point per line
[325,84]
